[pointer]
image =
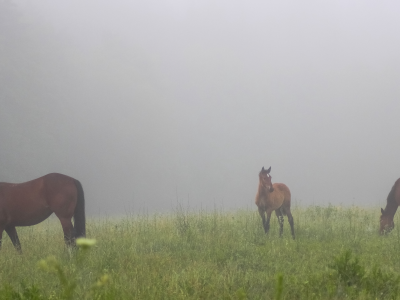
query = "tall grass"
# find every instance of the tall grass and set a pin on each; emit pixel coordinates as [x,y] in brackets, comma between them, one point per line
[210,255]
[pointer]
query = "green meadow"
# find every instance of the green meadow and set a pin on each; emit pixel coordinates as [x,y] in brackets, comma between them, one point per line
[337,254]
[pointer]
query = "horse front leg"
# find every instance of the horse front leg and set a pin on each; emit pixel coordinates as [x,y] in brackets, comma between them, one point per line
[262,215]
[269,212]
[12,233]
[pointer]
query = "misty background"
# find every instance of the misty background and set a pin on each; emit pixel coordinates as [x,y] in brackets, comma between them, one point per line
[150,103]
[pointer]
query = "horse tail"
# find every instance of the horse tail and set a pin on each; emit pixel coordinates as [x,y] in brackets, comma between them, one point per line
[79,214]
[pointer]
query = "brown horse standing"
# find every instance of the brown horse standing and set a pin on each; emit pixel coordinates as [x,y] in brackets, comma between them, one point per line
[393,202]
[273,197]
[29,203]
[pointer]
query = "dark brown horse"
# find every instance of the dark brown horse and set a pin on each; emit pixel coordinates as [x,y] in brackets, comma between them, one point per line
[273,197]
[29,203]
[393,202]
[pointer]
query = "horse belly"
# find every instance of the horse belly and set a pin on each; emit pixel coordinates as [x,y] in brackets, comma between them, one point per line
[31,219]
[276,199]
[28,212]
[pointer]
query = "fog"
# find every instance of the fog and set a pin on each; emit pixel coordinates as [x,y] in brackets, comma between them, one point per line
[154,103]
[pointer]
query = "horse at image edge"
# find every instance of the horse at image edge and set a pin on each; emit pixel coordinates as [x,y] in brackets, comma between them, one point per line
[393,202]
[29,203]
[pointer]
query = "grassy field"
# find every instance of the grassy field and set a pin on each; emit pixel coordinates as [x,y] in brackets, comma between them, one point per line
[337,254]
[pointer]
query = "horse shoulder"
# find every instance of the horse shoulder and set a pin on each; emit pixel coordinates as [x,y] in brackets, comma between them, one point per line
[259,199]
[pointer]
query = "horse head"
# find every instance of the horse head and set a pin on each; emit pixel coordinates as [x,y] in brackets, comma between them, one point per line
[265,179]
[386,222]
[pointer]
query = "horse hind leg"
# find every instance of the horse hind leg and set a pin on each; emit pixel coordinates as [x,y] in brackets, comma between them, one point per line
[12,233]
[68,229]
[278,213]
[290,219]
[65,213]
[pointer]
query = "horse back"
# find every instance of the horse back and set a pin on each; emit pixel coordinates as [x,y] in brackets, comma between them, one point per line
[44,186]
[55,183]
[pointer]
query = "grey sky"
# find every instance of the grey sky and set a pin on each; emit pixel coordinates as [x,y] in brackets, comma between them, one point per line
[155,98]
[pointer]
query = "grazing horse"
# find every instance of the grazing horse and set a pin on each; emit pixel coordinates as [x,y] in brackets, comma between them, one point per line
[29,203]
[393,202]
[273,197]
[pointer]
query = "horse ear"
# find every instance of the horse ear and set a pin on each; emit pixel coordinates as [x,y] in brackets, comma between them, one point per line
[262,169]
[269,170]
[382,211]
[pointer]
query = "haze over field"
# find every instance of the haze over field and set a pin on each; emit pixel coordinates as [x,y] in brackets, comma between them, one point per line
[149,101]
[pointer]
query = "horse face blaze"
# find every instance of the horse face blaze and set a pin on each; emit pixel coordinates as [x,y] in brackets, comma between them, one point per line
[266,181]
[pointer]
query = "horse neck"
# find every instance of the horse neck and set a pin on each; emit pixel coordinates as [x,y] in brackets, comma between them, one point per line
[262,191]
[391,206]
